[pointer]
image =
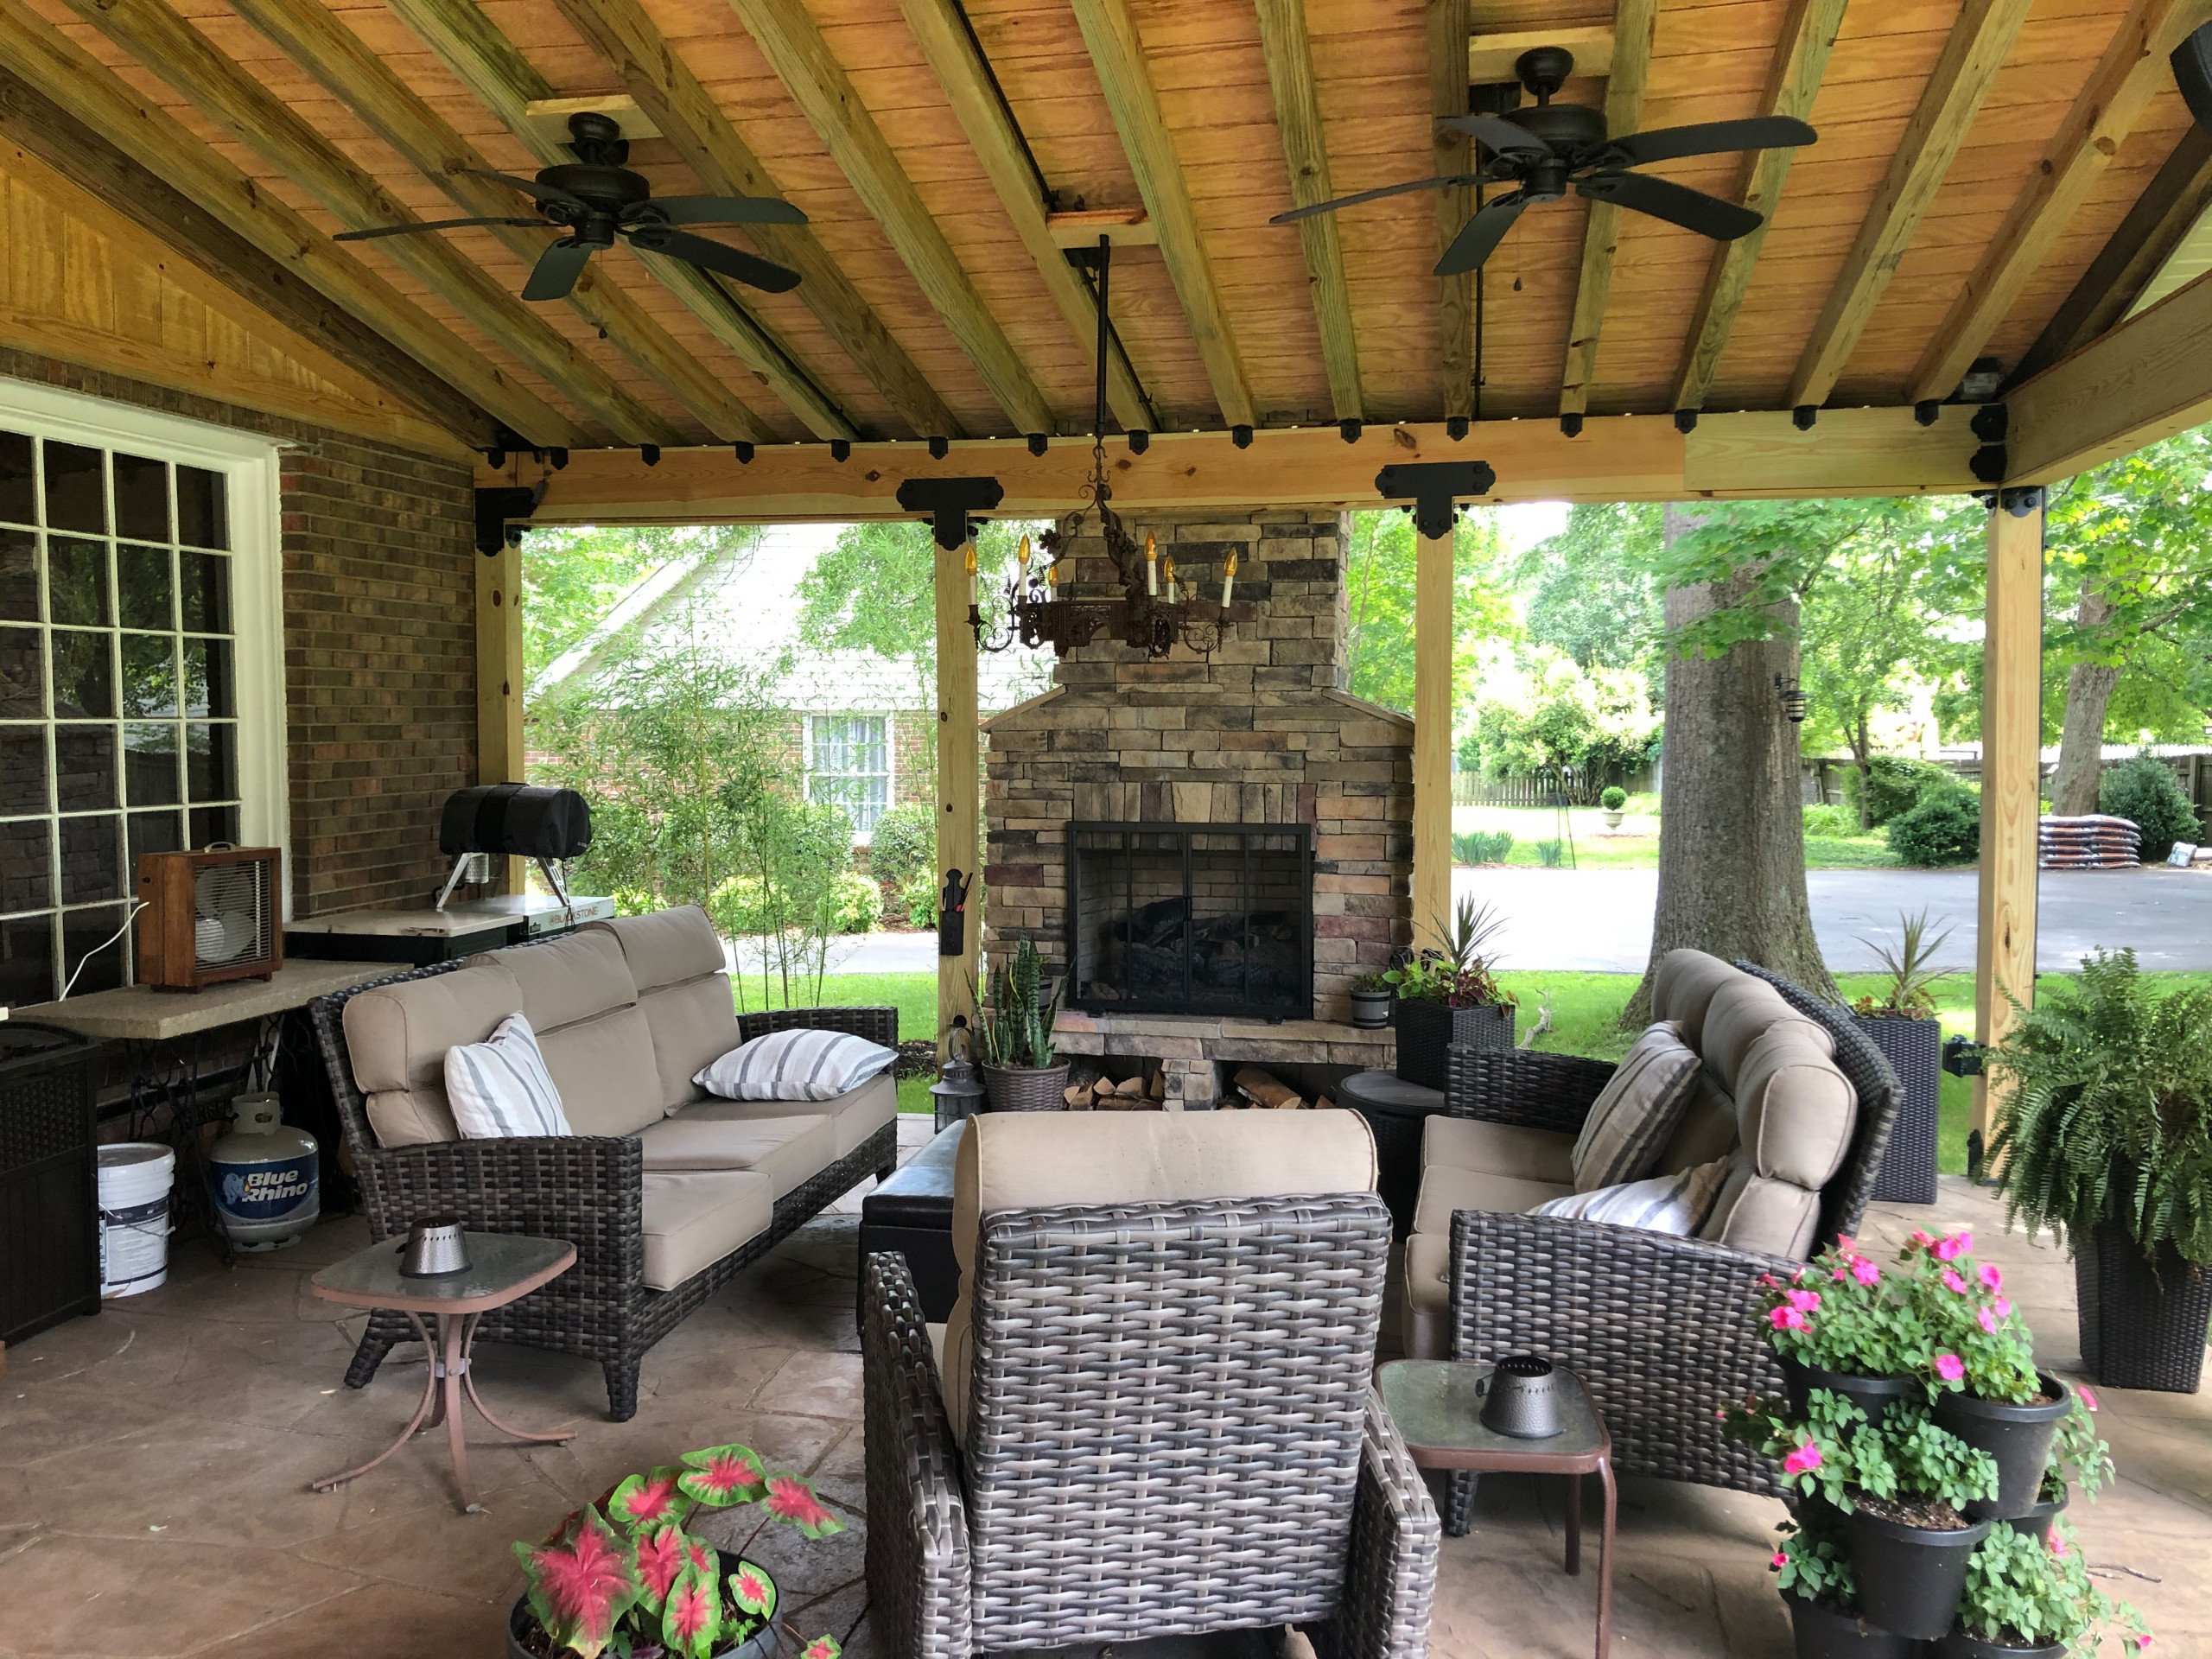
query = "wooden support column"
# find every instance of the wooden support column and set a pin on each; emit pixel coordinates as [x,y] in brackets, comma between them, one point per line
[2012,707]
[1432,737]
[958,776]
[499,680]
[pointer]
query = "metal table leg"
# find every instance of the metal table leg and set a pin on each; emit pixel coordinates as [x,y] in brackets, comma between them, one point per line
[1606,1558]
[425,1413]
[1573,1525]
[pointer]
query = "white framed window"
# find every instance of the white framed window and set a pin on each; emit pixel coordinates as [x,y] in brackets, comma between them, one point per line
[142,689]
[848,765]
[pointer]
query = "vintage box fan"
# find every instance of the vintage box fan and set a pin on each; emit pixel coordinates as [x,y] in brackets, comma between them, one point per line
[210,916]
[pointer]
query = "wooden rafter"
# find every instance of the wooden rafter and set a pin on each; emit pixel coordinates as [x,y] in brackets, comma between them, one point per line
[1801,59]
[2147,379]
[173,49]
[688,116]
[134,126]
[787,34]
[1634,22]
[950,47]
[1452,154]
[2168,209]
[1110,33]
[314,38]
[2133,69]
[1289,52]
[1978,42]
[483,59]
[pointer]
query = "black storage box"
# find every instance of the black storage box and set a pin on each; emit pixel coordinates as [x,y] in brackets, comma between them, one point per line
[49,1179]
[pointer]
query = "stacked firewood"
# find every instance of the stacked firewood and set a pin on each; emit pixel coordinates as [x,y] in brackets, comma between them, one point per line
[1090,1090]
[1251,1087]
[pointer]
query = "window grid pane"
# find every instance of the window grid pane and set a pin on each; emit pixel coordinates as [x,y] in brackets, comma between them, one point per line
[850,757]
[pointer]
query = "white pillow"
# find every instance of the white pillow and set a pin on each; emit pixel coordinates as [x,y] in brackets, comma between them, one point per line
[501,1087]
[1674,1203]
[803,1063]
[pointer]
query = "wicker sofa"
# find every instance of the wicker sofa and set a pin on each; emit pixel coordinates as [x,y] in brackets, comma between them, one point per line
[1150,1412]
[665,1192]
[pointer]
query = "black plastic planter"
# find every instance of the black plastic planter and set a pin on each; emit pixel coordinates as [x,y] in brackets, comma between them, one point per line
[2142,1320]
[1371,1010]
[1910,1577]
[2036,1522]
[1823,1633]
[1960,1645]
[1873,1394]
[2018,1436]
[1426,1030]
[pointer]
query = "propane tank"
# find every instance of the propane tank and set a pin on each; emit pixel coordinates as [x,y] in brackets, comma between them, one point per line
[263,1177]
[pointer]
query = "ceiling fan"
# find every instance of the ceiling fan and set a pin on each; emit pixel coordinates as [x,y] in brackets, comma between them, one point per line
[1547,149]
[2192,62]
[599,199]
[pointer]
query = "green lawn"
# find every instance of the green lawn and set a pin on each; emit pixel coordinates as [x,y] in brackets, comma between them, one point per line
[1635,845]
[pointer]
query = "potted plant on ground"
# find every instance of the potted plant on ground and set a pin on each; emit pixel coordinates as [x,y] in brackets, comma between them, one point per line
[623,1574]
[2106,1138]
[1020,1074]
[1840,1324]
[1610,805]
[1371,1001]
[1813,1570]
[1450,996]
[2028,1596]
[1902,1023]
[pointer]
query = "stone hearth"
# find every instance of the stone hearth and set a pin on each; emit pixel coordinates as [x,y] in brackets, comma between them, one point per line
[1197,1056]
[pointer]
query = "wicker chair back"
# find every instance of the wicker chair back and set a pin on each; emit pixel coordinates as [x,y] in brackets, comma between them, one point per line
[1167,1415]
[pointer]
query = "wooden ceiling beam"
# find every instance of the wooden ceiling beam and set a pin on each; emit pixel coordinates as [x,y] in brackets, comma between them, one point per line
[1979,43]
[80,84]
[1452,154]
[953,54]
[788,37]
[2131,70]
[227,94]
[688,116]
[1289,50]
[2162,215]
[1801,59]
[315,38]
[2147,379]
[492,67]
[1634,22]
[1110,33]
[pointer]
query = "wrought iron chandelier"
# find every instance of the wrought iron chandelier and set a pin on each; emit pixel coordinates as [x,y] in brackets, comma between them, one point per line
[1158,610]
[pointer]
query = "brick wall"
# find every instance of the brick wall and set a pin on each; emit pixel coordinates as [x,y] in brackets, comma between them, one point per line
[380,643]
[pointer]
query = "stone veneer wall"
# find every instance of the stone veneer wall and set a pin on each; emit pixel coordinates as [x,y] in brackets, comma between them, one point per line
[1261,732]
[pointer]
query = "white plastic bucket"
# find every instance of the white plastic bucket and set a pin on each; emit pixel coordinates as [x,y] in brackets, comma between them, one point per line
[135,1180]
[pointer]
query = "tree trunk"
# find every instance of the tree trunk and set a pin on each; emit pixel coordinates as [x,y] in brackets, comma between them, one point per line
[1732,823]
[2081,741]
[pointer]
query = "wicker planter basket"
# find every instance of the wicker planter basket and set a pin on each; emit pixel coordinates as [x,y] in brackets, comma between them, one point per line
[2142,1321]
[1427,1029]
[1025,1088]
[1914,1050]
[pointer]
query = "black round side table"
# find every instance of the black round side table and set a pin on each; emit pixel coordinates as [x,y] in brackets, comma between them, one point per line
[1396,1111]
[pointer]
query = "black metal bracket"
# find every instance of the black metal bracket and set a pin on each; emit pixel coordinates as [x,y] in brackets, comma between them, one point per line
[1926,411]
[743,451]
[949,501]
[496,507]
[1139,440]
[1570,425]
[1432,486]
[1988,463]
[1803,415]
[939,448]
[1962,1056]
[1686,421]
[2021,499]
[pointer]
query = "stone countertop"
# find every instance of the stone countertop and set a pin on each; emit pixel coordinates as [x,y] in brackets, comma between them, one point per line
[141,1014]
[455,920]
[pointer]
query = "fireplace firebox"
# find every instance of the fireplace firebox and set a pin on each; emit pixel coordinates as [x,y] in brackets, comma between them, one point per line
[1213,919]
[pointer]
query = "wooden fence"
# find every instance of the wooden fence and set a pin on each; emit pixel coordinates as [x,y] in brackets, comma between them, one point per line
[1544,788]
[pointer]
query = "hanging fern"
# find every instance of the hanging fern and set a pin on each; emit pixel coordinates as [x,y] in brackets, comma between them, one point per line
[2110,1110]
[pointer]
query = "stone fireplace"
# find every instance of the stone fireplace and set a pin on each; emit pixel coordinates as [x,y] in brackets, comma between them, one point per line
[1260,748]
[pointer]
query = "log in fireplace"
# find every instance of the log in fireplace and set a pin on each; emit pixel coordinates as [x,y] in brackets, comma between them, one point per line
[1214,919]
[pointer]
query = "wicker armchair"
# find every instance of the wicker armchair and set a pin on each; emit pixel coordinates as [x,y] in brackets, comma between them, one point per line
[1242,1476]
[1665,1330]
[586,1188]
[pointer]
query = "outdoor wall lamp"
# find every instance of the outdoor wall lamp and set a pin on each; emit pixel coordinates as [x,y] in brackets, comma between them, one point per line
[1794,701]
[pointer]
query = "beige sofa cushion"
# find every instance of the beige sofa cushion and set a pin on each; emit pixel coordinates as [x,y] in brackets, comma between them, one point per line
[1498,1149]
[857,1114]
[1426,1330]
[1707,1130]
[1684,987]
[667,947]
[604,1072]
[568,979]
[789,1150]
[1633,1117]
[1795,1108]
[1740,1015]
[695,1218]
[676,961]
[1443,1190]
[1753,1213]
[397,1036]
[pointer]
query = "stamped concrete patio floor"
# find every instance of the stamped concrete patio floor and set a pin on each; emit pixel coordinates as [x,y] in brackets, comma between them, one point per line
[154,1462]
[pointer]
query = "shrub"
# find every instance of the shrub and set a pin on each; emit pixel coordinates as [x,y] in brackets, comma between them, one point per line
[1893,784]
[920,896]
[1551,854]
[855,904]
[1829,820]
[1614,799]
[903,845]
[1944,827]
[2144,790]
[1481,846]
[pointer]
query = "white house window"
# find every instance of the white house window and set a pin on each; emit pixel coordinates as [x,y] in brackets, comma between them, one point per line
[138,657]
[848,765]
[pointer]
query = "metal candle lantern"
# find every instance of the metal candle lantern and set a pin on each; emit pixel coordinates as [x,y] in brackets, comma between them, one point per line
[959,1090]
[435,1247]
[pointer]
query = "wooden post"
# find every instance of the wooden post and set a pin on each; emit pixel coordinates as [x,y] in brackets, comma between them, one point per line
[500,681]
[1432,894]
[958,782]
[2011,748]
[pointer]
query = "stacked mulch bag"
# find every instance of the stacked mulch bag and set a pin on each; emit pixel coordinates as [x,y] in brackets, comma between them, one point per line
[2096,841]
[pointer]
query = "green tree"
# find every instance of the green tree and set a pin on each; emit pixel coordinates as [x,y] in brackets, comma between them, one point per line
[1589,589]
[1379,576]
[1545,713]
[574,575]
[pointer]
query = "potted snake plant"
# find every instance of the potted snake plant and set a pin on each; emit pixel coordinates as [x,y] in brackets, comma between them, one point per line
[1019,1066]
[1902,1023]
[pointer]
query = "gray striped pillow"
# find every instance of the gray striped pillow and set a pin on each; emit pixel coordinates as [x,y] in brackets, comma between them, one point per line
[1632,1120]
[801,1063]
[501,1087]
[1675,1203]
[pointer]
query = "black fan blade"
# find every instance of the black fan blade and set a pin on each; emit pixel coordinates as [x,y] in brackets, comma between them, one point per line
[717,256]
[434,224]
[713,210]
[1714,138]
[1331,206]
[1498,135]
[558,268]
[1479,237]
[1723,221]
[552,198]
[2192,62]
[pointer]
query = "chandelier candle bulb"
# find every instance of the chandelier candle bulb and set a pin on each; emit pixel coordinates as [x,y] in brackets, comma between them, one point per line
[1167,575]
[1228,581]
[1152,567]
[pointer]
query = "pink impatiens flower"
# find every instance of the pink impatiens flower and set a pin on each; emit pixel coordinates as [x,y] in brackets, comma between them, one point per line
[1951,1249]
[1780,1560]
[1865,1271]
[1986,1318]
[1950,1367]
[1805,1459]
[2003,1307]
[1785,1318]
[1923,1237]
[1952,1283]
[1804,1301]
[2057,1543]
[2088,1398]
[1992,1276]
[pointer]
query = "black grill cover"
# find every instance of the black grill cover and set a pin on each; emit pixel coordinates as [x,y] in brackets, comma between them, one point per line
[518,820]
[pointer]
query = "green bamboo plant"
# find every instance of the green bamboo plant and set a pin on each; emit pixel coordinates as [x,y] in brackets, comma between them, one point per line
[1019,1031]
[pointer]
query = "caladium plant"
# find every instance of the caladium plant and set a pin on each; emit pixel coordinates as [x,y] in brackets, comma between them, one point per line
[622,1576]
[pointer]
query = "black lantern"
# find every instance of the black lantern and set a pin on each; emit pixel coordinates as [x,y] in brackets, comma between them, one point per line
[958,1091]
[1794,701]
